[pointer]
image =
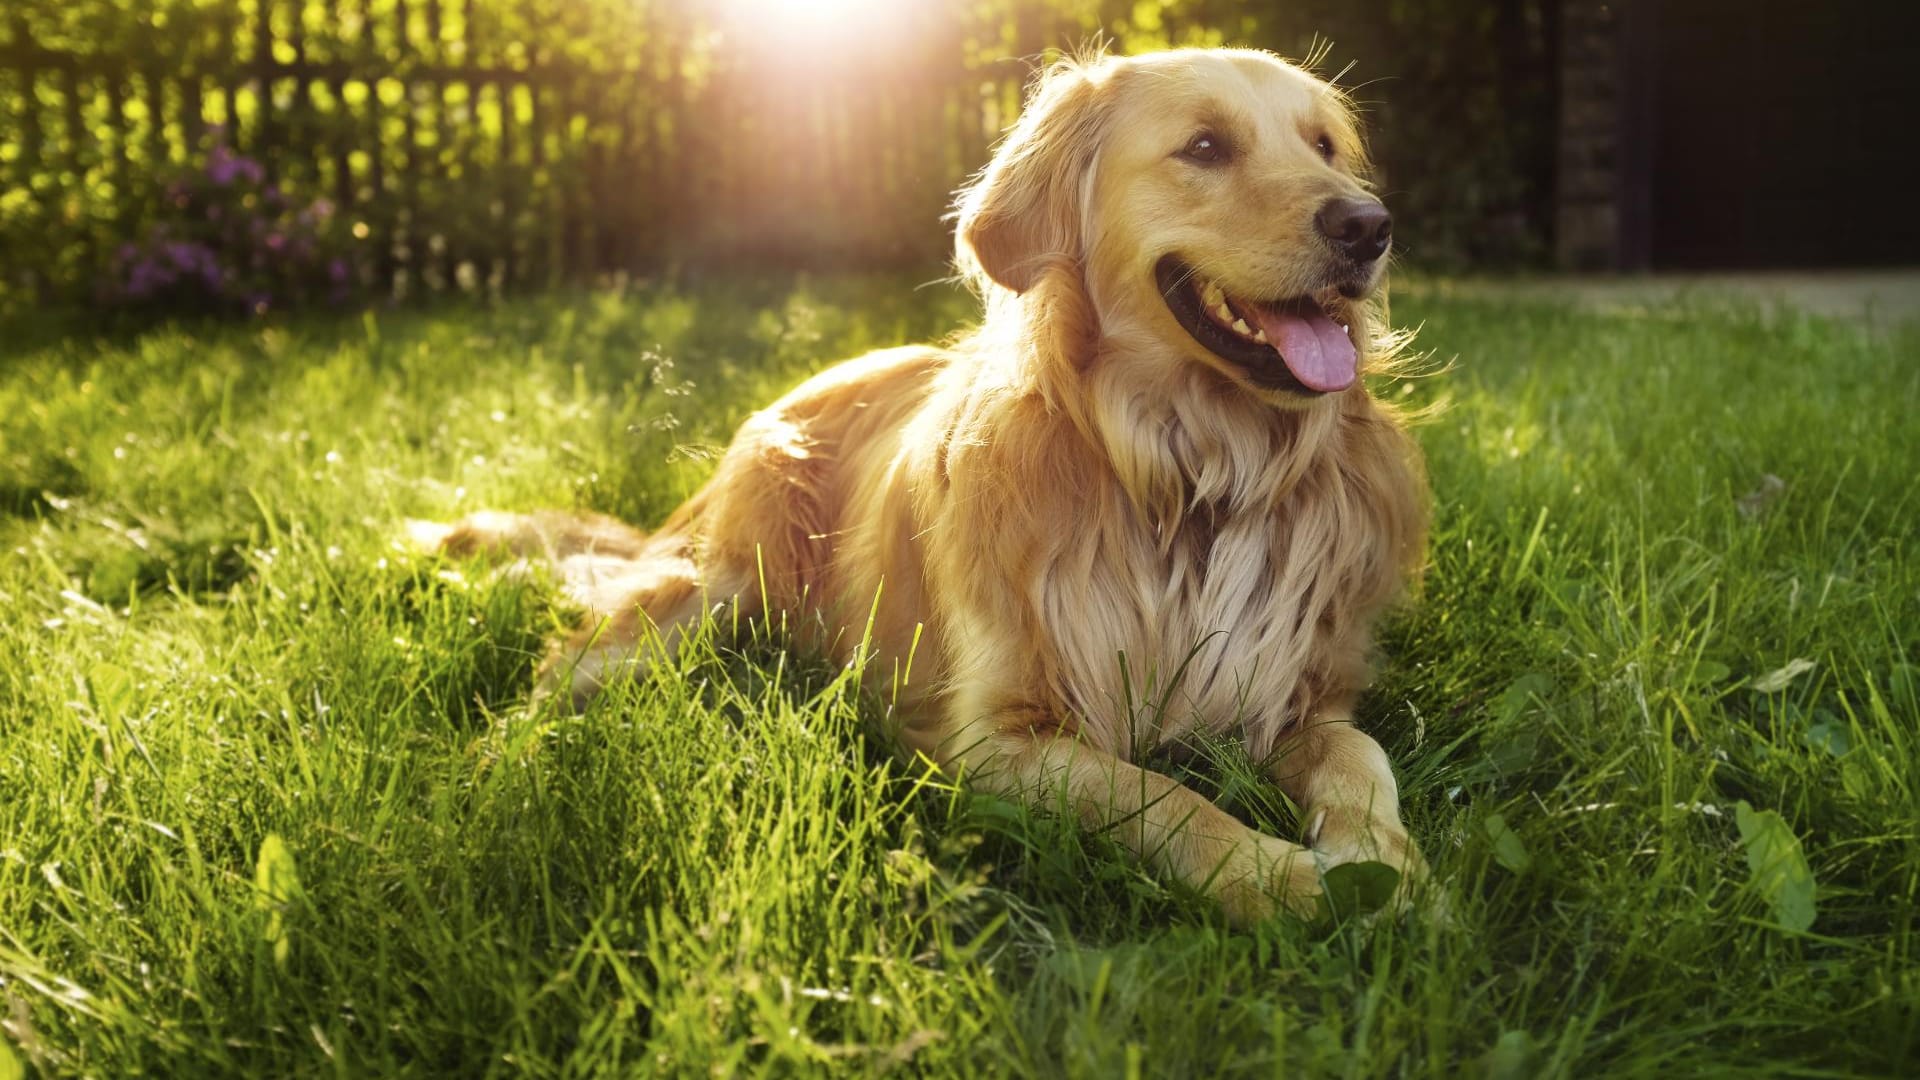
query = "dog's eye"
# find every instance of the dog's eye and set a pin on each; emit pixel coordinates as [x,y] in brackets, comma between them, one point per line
[1205,148]
[1325,146]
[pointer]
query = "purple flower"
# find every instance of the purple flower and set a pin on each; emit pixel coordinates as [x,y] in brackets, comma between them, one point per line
[221,168]
[224,235]
[193,258]
[149,276]
[224,167]
[164,264]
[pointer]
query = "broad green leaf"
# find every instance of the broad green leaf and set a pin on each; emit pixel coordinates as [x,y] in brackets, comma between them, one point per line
[995,813]
[1359,887]
[1515,752]
[1707,672]
[1829,735]
[1520,696]
[276,884]
[111,688]
[1508,850]
[1775,681]
[1511,1057]
[1776,866]
[10,1067]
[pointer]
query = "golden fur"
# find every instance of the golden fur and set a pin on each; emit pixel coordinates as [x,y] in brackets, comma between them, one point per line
[1077,509]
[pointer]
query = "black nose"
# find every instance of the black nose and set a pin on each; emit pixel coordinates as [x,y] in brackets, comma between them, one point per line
[1359,228]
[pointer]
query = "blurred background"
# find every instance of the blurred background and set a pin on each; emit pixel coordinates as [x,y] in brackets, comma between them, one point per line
[261,154]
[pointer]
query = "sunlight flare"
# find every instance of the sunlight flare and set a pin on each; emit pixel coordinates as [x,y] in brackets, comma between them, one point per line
[805,19]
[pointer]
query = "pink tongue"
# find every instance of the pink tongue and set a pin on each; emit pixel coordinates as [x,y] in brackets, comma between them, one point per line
[1316,349]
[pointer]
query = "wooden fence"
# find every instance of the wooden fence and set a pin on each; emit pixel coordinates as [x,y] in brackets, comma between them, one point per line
[478,143]
[493,144]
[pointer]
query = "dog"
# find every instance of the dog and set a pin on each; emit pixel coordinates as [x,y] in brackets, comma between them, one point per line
[1153,467]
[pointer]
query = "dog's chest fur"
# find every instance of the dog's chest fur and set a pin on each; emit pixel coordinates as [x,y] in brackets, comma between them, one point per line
[1202,633]
[1220,616]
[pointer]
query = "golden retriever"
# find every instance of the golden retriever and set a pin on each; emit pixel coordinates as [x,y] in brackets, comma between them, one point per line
[1153,472]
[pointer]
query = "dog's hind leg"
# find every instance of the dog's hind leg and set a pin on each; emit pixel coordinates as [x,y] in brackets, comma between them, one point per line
[635,619]
[584,551]
[546,535]
[626,582]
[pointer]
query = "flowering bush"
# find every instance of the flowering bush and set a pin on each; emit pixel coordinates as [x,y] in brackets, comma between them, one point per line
[229,239]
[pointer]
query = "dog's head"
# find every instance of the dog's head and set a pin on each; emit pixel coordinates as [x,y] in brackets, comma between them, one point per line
[1210,204]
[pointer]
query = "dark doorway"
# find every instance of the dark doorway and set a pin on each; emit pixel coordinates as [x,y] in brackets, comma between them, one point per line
[1777,133]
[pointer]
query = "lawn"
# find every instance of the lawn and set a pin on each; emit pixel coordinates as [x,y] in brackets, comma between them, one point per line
[271,801]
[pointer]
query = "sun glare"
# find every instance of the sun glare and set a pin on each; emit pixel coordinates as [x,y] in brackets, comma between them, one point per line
[807,18]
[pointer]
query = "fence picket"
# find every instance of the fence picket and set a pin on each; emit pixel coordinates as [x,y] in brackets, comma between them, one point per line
[32,135]
[507,188]
[263,137]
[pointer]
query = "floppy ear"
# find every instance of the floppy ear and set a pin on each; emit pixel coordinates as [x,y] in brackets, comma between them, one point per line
[1022,216]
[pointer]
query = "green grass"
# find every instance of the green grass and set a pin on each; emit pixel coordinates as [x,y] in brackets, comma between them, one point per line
[210,640]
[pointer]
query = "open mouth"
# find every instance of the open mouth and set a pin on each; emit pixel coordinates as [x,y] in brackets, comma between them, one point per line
[1288,344]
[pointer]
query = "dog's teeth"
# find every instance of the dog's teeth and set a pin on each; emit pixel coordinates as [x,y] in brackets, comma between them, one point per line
[1221,312]
[1243,328]
[1213,296]
[1260,336]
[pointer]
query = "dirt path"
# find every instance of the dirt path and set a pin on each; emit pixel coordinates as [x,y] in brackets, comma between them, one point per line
[1882,299]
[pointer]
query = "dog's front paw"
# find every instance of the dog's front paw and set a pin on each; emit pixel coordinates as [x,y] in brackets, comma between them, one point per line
[1266,877]
[1337,841]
